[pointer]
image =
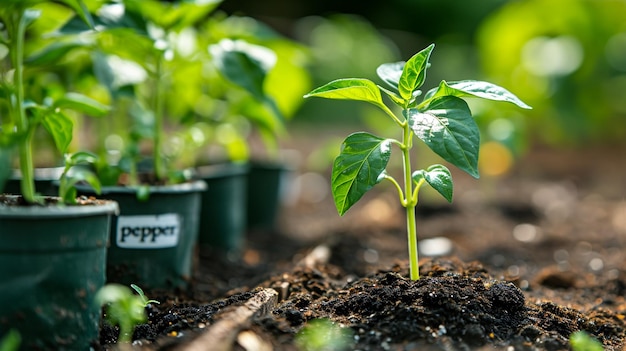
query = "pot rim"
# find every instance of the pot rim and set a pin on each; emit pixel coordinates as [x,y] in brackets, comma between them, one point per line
[99,207]
[188,187]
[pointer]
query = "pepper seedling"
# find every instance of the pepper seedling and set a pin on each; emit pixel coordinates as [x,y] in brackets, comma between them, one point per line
[123,308]
[440,118]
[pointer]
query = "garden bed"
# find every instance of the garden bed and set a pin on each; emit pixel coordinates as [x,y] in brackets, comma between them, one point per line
[522,261]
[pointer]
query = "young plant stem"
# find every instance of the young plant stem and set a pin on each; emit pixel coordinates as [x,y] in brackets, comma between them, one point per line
[27,182]
[410,201]
[158,119]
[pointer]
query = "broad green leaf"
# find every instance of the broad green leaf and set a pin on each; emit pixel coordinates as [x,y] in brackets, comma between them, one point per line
[447,127]
[390,73]
[474,88]
[438,177]
[414,73]
[244,64]
[54,52]
[60,127]
[360,89]
[82,103]
[358,167]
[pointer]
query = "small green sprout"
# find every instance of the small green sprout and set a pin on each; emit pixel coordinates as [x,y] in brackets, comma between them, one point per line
[11,341]
[581,341]
[440,118]
[123,308]
[324,335]
[72,175]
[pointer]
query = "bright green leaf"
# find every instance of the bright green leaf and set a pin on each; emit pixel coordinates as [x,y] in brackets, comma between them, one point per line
[474,88]
[60,127]
[349,89]
[82,103]
[438,177]
[414,73]
[390,73]
[357,169]
[447,127]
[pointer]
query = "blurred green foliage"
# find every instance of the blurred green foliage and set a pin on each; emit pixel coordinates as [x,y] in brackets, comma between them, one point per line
[566,58]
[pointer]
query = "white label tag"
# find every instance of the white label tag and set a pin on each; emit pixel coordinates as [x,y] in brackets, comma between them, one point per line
[148,232]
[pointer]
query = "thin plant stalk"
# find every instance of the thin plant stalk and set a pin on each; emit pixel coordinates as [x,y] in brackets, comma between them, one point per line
[410,202]
[27,182]
[158,118]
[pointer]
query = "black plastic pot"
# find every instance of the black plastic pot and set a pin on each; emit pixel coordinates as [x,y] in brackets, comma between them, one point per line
[223,214]
[45,181]
[267,189]
[152,241]
[52,262]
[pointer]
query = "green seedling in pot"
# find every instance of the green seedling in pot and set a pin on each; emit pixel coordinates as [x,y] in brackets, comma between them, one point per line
[123,308]
[440,118]
[25,115]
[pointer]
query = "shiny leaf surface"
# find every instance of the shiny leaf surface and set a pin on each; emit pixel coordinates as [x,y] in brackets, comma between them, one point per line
[358,167]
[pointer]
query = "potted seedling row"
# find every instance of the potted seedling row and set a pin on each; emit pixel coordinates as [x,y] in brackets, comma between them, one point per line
[250,67]
[153,239]
[52,248]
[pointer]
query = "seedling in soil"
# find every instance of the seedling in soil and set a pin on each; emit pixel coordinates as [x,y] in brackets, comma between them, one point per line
[440,118]
[581,341]
[322,334]
[123,308]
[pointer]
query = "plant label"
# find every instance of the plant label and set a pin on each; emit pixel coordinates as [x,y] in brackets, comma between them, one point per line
[148,232]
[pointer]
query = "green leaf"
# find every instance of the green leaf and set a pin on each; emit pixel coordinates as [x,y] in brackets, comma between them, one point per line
[81,10]
[244,64]
[52,53]
[390,73]
[173,16]
[358,167]
[394,97]
[60,127]
[438,177]
[447,127]
[11,340]
[73,175]
[414,73]
[80,157]
[82,103]
[360,89]
[143,193]
[474,88]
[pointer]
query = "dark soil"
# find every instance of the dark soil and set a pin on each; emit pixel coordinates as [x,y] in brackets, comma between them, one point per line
[516,263]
